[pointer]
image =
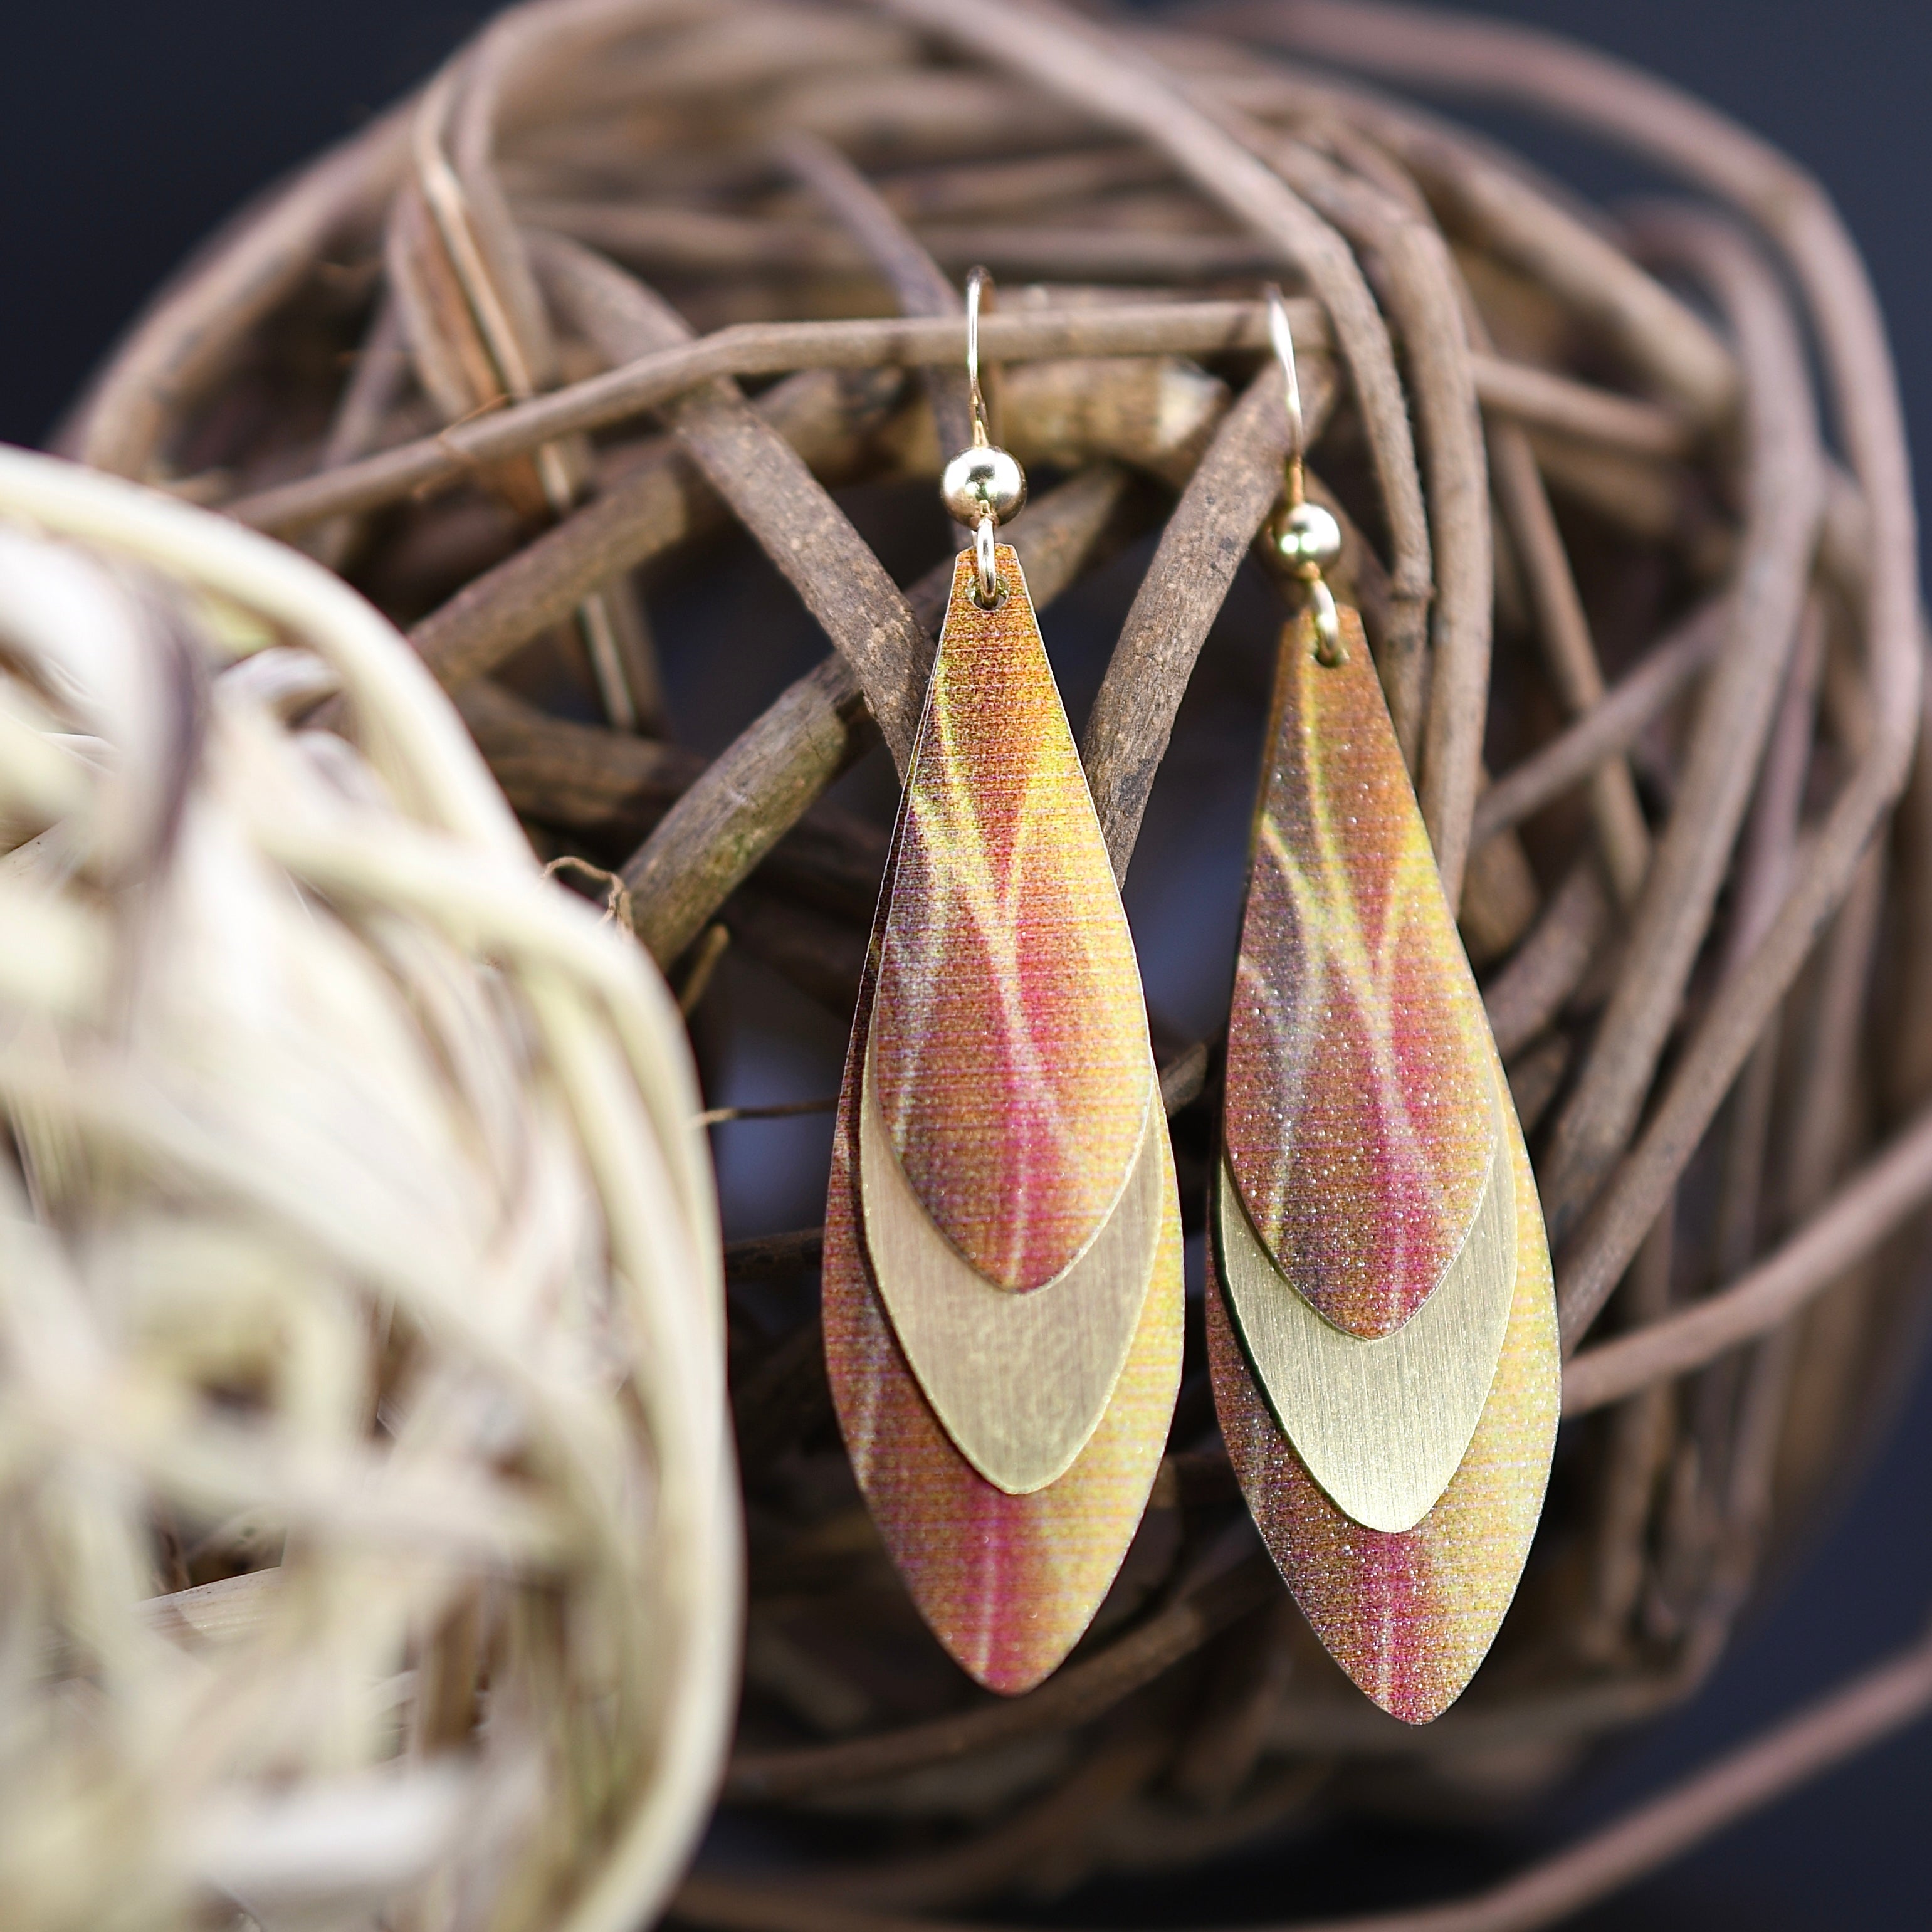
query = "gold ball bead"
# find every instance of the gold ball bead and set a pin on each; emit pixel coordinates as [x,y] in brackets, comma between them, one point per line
[980,479]
[1306,541]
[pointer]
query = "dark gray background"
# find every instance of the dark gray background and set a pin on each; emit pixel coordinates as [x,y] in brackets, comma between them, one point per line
[126,131]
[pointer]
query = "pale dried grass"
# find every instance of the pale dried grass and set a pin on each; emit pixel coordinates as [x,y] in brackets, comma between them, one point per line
[368,1545]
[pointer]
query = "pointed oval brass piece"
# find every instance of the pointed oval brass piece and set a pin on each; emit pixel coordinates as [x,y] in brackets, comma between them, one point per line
[1381,1425]
[1019,1381]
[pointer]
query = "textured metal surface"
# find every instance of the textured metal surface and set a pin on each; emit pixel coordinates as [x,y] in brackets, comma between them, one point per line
[1358,1122]
[1380,1425]
[1396,1461]
[1007,1583]
[1010,1032]
[1019,1045]
[1410,1615]
[1019,1380]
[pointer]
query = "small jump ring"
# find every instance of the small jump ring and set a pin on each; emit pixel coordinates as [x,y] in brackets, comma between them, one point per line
[1329,648]
[990,586]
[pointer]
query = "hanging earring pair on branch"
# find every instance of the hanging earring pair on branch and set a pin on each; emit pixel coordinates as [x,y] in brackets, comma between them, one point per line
[1002,1258]
[1002,1270]
[1381,1322]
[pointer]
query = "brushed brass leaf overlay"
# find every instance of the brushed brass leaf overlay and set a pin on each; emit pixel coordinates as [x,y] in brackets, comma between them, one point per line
[1381,1425]
[1019,1380]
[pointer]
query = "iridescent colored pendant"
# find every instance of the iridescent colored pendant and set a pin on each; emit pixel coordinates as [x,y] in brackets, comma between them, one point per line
[1382,1320]
[1002,1272]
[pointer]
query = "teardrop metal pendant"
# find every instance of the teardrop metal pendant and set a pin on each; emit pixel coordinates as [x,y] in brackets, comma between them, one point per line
[1382,1322]
[1002,1284]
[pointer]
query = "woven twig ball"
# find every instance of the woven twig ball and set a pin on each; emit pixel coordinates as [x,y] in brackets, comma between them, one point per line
[368,1554]
[618,367]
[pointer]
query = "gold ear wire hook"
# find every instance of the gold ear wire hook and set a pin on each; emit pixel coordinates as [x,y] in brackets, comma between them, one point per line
[983,485]
[1303,539]
[976,283]
[1281,340]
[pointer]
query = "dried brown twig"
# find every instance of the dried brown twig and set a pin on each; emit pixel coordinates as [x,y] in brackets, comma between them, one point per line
[1870,1709]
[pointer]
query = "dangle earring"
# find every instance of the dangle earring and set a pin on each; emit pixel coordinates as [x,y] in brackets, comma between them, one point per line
[1380,1309]
[1002,1271]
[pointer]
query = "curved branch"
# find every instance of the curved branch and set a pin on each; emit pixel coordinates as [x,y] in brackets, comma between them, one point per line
[1865,1213]
[1061,55]
[1786,499]
[1076,1694]
[1874,1706]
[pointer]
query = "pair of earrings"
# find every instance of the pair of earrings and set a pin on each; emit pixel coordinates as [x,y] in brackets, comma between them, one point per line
[1002,1276]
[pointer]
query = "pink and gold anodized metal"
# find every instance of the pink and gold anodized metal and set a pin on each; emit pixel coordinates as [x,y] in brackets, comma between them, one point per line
[1009,1036]
[1009,1030]
[1359,1125]
[1410,1615]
